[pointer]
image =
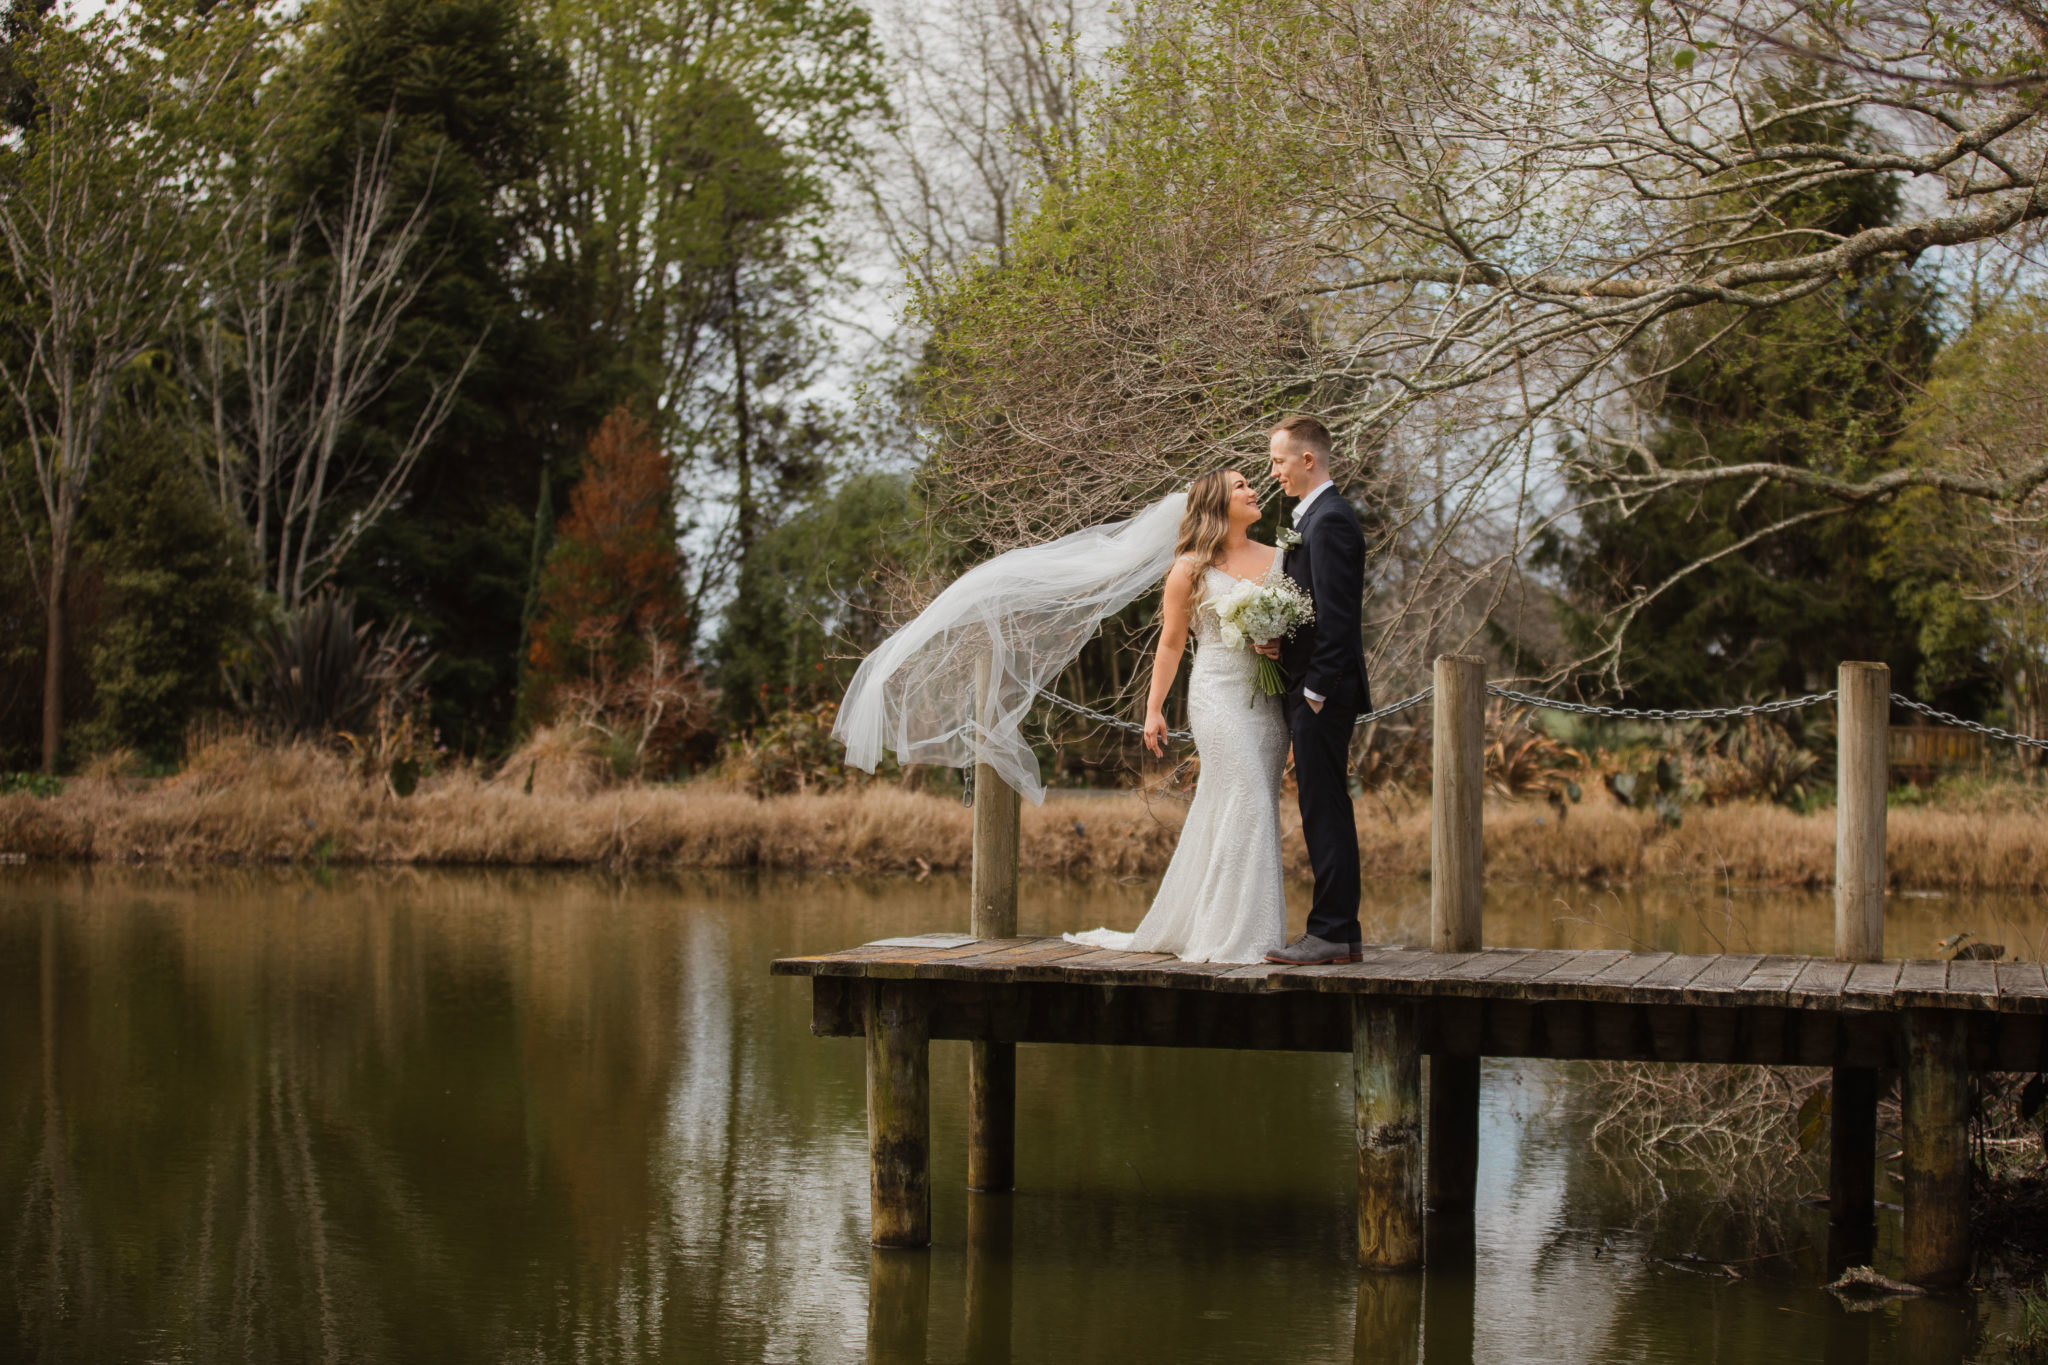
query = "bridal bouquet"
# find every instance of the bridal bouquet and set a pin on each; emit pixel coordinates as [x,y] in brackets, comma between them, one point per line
[1255,612]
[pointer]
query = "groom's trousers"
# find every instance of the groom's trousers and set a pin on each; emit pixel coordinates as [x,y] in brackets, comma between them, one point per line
[1322,752]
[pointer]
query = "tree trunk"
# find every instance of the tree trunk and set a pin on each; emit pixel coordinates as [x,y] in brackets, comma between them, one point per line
[745,516]
[53,660]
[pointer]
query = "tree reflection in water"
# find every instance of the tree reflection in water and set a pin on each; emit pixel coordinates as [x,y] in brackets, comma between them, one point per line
[396,1116]
[409,1118]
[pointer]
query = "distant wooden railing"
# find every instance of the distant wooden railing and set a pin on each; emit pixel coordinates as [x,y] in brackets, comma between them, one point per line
[1933,747]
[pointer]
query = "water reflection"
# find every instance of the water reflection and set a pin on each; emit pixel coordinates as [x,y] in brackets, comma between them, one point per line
[402,1116]
[991,1226]
[1386,1328]
[899,1305]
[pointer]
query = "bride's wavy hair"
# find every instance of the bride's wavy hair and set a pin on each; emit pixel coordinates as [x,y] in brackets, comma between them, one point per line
[1205,525]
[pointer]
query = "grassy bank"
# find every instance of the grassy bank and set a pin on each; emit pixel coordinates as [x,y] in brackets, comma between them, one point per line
[245,804]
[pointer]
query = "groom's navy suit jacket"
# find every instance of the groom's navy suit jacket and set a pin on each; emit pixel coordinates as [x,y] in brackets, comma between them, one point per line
[1328,657]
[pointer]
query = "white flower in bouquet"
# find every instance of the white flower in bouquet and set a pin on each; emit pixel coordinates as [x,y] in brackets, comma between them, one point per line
[1254,612]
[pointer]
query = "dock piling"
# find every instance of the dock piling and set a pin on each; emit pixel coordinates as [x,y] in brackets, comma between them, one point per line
[1457,868]
[1863,716]
[1386,1069]
[992,913]
[1852,1167]
[899,1115]
[1937,1149]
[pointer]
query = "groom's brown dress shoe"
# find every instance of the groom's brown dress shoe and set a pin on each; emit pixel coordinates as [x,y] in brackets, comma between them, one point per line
[1308,950]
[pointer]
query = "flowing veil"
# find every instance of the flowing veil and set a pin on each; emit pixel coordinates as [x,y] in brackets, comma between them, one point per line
[1026,613]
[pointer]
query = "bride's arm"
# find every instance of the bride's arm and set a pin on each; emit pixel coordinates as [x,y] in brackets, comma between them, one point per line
[1173,639]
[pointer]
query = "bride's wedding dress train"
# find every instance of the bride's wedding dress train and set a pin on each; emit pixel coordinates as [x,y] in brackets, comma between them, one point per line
[1222,898]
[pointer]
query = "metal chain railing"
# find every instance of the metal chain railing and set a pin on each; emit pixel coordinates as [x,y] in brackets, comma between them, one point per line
[1577,708]
[2028,741]
[1119,723]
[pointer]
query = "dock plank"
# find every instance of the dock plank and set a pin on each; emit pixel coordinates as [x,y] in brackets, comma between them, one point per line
[1349,978]
[1718,983]
[1673,974]
[1536,964]
[1619,980]
[1003,964]
[1973,984]
[1470,978]
[1770,981]
[857,961]
[995,964]
[1570,979]
[927,964]
[2022,988]
[1820,983]
[1871,985]
[1922,984]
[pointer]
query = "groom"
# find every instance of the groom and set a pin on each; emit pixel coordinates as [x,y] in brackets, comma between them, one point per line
[1325,667]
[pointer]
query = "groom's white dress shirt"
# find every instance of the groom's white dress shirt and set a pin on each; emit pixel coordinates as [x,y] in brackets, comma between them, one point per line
[1300,508]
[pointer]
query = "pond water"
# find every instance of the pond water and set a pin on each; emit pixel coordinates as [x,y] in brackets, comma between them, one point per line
[452,1117]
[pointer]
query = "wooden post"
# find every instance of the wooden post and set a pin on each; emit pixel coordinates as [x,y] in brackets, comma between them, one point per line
[991,1116]
[1863,728]
[899,1116]
[992,913]
[1937,1141]
[1457,872]
[1457,860]
[1386,1069]
[1862,734]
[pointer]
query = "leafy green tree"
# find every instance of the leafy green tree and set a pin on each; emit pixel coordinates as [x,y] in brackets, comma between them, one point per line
[97,252]
[685,240]
[172,589]
[1977,575]
[810,599]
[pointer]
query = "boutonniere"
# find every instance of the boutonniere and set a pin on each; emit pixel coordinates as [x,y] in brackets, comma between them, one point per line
[1287,538]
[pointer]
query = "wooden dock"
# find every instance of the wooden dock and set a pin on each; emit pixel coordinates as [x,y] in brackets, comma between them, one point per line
[1930,1023]
[1933,1021]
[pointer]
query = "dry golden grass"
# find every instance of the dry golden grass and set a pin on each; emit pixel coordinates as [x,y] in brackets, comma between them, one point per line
[240,802]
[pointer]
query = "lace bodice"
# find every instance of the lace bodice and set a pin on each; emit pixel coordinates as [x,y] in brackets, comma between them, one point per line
[1210,651]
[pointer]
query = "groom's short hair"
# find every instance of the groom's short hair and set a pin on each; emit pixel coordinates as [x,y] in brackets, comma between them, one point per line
[1306,430]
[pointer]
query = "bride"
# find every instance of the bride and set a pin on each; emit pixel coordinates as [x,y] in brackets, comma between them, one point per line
[955,686]
[1221,899]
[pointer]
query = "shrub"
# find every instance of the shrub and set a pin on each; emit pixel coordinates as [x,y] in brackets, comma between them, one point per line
[314,672]
[797,753]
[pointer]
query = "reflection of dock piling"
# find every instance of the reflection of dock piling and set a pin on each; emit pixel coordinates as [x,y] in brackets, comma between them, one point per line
[1456,1002]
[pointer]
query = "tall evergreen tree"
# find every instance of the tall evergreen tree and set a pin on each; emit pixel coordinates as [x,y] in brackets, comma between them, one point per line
[477,100]
[1824,381]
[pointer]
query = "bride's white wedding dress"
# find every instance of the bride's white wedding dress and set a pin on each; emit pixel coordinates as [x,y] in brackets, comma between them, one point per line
[1222,898]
